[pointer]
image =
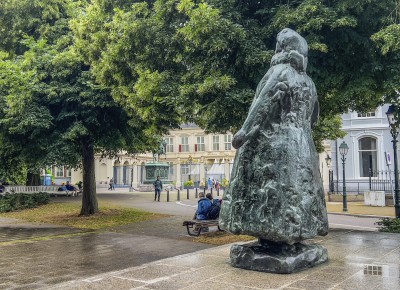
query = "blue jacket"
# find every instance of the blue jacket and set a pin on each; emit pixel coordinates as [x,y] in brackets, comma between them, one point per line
[203,207]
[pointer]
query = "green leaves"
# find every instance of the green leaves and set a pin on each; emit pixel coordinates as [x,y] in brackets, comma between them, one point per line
[122,72]
[388,38]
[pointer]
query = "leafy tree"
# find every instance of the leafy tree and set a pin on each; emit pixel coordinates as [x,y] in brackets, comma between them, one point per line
[202,60]
[62,116]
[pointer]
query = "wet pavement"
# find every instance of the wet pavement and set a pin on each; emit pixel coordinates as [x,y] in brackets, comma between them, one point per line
[159,255]
[38,256]
[357,260]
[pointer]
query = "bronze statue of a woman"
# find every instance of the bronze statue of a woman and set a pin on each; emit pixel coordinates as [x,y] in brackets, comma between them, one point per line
[276,191]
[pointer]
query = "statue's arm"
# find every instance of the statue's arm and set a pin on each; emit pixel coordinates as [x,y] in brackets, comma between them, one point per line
[267,93]
[315,114]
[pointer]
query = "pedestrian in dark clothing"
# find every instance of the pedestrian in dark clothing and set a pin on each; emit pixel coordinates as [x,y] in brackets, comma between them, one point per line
[157,188]
[215,208]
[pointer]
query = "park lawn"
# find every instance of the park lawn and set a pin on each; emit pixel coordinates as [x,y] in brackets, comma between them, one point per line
[67,214]
[222,238]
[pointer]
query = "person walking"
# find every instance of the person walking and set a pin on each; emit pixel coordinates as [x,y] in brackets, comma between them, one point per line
[209,182]
[111,184]
[157,188]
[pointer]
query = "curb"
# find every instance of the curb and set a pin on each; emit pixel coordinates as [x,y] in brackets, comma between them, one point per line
[360,215]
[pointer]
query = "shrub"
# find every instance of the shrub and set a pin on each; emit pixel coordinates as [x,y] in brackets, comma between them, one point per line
[389,225]
[224,182]
[19,201]
[188,183]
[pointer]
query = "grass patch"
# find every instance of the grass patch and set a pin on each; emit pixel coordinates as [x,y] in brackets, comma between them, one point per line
[221,238]
[67,214]
[45,238]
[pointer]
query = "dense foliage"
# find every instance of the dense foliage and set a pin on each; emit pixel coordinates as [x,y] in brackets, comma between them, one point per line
[85,77]
[54,112]
[19,201]
[202,60]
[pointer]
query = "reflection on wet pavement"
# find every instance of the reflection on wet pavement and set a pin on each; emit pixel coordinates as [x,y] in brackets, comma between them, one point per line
[346,269]
[64,258]
[33,258]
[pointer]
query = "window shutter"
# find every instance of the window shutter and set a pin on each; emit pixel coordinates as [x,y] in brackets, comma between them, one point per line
[195,147]
[180,147]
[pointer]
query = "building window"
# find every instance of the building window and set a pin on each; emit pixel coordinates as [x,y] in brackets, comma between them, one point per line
[184,144]
[200,146]
[368,155]
[184,169]
[171,168]
[60,171]
[228,142]
[69,172]
[170,144]
[215,143]
[366,115]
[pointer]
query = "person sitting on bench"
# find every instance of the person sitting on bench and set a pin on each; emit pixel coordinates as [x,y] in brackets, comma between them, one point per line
[203,207]
[213,213]
[70,187]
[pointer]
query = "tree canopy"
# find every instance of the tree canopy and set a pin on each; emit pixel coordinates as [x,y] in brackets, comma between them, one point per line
[111,75]
[202,60]
[55,113]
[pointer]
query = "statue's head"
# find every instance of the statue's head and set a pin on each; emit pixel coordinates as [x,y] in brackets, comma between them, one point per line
[291,48]
[288,40]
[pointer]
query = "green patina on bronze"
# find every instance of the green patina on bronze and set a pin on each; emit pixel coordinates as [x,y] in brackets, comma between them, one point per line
[276,191]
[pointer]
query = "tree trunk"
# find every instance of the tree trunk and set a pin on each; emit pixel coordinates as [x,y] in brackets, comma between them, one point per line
[89,199]
[33,179]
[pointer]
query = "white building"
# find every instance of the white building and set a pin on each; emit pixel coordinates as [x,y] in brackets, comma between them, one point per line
[368,138]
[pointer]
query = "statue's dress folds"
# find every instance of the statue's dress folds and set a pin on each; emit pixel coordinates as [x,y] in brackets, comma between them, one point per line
[276,190]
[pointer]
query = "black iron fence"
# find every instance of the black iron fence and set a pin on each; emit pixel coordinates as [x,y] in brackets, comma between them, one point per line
[382,180]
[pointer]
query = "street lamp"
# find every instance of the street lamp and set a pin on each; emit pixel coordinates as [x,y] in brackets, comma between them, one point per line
[205,177]
[328,160]
[190,160]
[343,149]
[394,130]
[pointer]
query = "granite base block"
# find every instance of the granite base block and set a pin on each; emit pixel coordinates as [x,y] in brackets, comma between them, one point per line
[278,258]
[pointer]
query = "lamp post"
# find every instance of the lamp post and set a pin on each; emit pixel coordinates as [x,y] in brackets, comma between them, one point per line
[328,160]
[190,160]
[343,149]
[205,176]
[394,130]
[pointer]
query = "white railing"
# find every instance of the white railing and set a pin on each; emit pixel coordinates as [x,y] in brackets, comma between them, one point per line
[51,189]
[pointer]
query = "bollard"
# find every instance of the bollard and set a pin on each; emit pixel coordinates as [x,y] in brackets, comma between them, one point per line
[217,191]
[204,191]
[179,195]
[167,195]
[196,195]
[187,193]
[211,190]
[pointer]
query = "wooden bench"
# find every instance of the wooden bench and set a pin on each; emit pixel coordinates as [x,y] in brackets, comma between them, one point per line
[194,227]
[50,189]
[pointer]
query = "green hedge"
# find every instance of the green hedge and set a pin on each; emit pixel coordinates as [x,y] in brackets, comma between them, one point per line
[389,225]
[18,201]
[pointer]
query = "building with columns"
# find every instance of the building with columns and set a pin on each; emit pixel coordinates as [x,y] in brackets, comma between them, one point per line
[193,154]
[190,152]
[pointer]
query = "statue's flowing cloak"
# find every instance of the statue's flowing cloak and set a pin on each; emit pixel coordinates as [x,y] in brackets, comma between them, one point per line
[276,190]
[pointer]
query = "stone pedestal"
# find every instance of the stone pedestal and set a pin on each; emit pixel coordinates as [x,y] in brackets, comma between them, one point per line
[278,258]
